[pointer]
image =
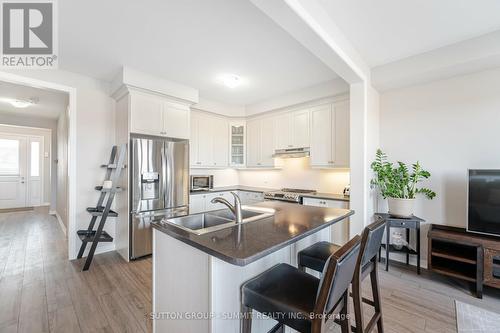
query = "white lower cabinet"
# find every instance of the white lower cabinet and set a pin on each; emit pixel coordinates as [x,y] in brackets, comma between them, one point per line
[199,203]
[340,230]
[248,198]
[196,203]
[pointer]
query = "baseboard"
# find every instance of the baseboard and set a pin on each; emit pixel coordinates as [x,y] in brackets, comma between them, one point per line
[61,224]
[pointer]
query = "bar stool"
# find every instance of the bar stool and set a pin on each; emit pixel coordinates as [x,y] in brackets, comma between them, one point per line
[300,300]
[316,255]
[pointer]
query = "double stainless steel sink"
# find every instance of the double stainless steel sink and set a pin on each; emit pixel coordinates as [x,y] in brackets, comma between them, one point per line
[203,223]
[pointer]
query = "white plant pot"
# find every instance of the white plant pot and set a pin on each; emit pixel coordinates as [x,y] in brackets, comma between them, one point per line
[401,207]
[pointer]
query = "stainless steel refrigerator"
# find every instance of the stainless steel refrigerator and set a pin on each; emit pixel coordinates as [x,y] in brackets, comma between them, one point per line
[159,188]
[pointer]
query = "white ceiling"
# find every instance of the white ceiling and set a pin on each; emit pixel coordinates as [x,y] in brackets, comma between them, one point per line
[50,103]
[190,42]
[384,31]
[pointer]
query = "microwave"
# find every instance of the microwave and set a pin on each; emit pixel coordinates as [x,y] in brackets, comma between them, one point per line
[202,183]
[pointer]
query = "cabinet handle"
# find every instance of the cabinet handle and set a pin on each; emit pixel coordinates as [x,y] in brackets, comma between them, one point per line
[198,162]
[330,162]
[290,146]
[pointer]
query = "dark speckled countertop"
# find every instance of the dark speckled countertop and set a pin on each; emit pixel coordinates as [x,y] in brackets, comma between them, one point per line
[243,244]
[318,195]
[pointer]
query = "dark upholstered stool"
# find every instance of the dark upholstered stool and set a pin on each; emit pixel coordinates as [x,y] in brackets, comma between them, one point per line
[316,255]
[290,296]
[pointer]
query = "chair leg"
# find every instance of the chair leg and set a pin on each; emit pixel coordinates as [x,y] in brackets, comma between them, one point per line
[345,323]
[357,297]
[246,319]
[376,296]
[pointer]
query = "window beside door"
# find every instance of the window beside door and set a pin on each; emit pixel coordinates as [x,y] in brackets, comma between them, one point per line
[9,157]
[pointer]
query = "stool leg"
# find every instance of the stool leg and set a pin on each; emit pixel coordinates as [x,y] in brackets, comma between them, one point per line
[345,324]
[376,296]
[299,264]
[357,297]
[246,319]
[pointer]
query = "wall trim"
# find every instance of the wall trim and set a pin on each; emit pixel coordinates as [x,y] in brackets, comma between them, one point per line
[59,219]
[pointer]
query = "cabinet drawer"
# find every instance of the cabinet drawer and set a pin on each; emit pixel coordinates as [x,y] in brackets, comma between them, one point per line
[325,203]
[403,224]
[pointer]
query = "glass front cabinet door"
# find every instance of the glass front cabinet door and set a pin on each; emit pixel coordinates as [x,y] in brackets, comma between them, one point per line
[237,132]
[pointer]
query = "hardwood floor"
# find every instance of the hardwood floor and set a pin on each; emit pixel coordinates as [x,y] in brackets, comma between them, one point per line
[41,291]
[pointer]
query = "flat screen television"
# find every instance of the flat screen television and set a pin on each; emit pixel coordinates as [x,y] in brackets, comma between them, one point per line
[483,213]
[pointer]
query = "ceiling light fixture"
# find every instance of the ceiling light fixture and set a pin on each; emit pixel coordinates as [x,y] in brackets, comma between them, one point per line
[23,103]
[230,80]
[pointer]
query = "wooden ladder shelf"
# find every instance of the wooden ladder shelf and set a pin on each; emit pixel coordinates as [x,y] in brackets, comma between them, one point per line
[103,208]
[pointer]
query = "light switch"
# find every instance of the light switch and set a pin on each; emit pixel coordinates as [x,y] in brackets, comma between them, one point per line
[45,154]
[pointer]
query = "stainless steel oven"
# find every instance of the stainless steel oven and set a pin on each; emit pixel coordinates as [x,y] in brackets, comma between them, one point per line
[202,182]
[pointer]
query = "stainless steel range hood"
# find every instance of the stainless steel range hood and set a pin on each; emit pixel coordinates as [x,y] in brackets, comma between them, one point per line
[292,152]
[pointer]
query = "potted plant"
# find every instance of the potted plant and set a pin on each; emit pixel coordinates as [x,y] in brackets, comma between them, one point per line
[398,184]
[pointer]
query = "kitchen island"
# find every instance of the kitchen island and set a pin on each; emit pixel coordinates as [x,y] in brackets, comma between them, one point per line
[197,277]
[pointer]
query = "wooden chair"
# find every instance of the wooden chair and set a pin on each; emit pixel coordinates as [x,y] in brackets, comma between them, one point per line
[300,300]
[315,257]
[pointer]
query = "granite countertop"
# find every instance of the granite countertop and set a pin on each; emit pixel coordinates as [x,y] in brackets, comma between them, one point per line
[319,195]
[235,188]
[243,244]
[326,196]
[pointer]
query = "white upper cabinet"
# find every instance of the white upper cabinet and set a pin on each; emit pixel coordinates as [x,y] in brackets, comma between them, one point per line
[209,144]
[292,129]
[253,143]
[342,134]
[260,142]
[217,141]
[176,120]
[156,115]
[300,129]
[330,135]
[205,141]
[267,144]
[283,131]
[220,128]
[322,135]
[237,133]
[146,114]
[194,140]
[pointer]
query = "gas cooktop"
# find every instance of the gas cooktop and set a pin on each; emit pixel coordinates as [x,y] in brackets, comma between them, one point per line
[287,194]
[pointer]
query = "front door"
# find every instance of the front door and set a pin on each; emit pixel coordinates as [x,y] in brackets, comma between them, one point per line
[13,164]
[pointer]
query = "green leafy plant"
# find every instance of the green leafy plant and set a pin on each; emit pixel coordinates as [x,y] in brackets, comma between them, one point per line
[396,180]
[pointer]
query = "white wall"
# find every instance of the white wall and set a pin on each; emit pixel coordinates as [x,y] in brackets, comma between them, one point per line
[94,138]
[62,168]
[449,126]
